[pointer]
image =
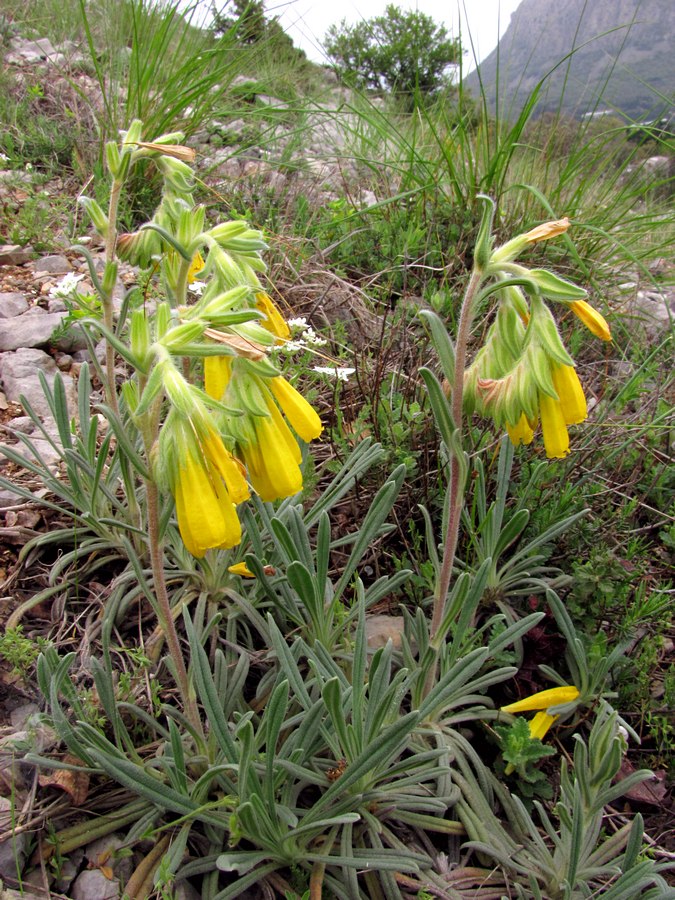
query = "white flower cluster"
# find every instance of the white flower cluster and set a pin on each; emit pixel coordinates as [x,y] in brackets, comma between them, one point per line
[66,287]
[197,287]
[304,336]
[340,373]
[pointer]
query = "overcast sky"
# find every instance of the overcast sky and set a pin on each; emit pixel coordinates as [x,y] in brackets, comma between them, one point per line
[307,21]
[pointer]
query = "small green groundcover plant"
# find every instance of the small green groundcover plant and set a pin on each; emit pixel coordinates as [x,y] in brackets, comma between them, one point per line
[281,750]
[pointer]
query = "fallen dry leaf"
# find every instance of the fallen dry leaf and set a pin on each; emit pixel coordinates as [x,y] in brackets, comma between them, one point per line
[75,784]
[651,791]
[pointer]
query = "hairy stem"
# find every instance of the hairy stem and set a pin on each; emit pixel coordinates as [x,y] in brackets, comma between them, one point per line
[107,299]
[455,493]
[164,608]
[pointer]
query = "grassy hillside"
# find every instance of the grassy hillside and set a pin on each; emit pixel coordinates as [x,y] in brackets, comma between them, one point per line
[302,620]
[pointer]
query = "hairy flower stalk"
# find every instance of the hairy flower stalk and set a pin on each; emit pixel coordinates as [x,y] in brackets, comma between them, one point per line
[188,439]
[521,376]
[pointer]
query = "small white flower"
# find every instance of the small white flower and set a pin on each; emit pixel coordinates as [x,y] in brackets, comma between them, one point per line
[294,346]
[299,323]
[341,373]
[197,287]
[313,338]
[67,286]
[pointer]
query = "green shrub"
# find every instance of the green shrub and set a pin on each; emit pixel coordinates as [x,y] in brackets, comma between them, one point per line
[406,52]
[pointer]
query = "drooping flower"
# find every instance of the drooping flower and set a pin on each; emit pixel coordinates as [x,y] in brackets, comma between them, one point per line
[541,702]
[553,427]
[592,319]
[217,373]
[207,482]
[262,437]
[273,322]
[540,725]
[544,700]
[207,517]
[570,394]
[241,569]
[272,458]
[196,267]
[301,414]
[520,433]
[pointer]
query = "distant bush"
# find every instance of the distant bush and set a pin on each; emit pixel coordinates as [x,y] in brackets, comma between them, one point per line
[405,52]
[247,20]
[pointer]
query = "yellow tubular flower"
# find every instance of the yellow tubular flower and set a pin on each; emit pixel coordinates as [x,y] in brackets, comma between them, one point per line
[570,394]
[206,515]
[285,432]
[540,725]
[271,461]
[241,569]
[544,699]
[301,414]
[274,321]
[554,429]
[196,266]
[521,432]
[229,469]
[592,319]
[217,373]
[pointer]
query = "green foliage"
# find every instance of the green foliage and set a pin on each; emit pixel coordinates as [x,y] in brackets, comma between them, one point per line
[501,532]
[20,652]
[521,751]
[578,857]
[31,132]
[406,52]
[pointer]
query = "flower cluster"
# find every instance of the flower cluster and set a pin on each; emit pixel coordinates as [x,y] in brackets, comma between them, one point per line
[261,433]
[523,374]
[238,433]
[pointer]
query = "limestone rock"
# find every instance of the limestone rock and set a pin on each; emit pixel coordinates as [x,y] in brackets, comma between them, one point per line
[15,254]
[19,375]
[12,304]
[33,329]
[52,265]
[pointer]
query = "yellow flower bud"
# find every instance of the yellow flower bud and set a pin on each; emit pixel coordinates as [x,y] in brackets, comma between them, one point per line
[241,569]
[544,699]
[547,230]
[592,319]
[570,394]
[274,321]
